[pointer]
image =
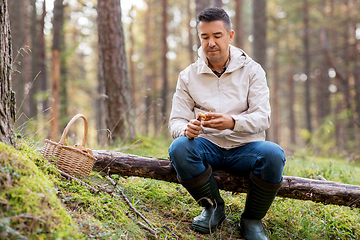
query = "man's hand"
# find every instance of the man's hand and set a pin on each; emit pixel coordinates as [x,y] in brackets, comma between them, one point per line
[193,129]
[218,121]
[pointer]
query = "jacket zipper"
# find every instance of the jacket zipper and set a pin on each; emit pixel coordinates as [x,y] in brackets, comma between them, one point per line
[220,95]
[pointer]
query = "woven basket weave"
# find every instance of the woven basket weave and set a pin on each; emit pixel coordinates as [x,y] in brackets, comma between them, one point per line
[69,159]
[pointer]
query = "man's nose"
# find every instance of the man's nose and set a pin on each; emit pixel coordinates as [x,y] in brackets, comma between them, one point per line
[211,42]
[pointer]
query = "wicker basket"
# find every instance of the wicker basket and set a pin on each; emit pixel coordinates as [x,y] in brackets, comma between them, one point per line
[69,159]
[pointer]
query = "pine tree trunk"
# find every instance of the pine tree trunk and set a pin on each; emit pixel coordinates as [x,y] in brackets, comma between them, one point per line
[259,32]
[100,110]
[322,94]
[131,53]
[34,61]
[7,96]
[291,96]
[18,44]
[56,69]
[275,137]
[238,22]
[149,91]
[164,66]
[114,67]
[306,40]
[42,60]
[63,100]
[191,38]
[291,104]
[200,5]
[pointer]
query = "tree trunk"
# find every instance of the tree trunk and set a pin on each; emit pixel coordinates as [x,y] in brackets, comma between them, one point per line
[276,88]
[199,6]
[349,125]
[238,22]
[164,67]
[191,37]
[339,77]
[291,122]
[114,67]
[131,53]
[307,65]
[63,100]
[291,104]
[26,62]
[356,72]
[100,110]
[326,192]
[149,91]
[7,96]
[34,61]
[259,32]
[322,94]
[42,59]
[18,44]
[56,66]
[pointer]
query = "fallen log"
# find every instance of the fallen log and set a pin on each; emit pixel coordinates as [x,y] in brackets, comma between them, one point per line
[326,192]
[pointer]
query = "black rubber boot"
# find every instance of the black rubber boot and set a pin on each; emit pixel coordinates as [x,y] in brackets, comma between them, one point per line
[259,198]
[205,191]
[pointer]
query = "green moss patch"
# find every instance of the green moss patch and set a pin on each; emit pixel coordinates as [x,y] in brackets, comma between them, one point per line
[29,206]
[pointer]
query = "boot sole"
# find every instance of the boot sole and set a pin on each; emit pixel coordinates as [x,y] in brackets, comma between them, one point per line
[206,230]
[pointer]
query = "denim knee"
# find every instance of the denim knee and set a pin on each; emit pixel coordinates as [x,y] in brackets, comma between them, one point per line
[177,147]
[186,158]
[179,150]
[270,163]
[274,154]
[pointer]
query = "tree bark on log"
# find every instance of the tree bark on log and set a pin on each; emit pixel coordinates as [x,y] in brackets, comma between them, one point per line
[326,192]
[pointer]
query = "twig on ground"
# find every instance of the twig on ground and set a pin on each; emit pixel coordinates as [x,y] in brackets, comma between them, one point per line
[78,180]
[105,189]
[128,202]
[141,224]
[147,228]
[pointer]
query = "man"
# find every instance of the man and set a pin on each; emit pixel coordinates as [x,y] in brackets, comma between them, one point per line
[230,88]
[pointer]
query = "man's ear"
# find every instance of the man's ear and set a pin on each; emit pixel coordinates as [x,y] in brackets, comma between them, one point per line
[231,36]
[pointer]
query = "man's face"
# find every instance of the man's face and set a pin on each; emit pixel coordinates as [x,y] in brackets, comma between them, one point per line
[215,40]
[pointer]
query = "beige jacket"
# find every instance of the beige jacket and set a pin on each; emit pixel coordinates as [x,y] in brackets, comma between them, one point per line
[241,92]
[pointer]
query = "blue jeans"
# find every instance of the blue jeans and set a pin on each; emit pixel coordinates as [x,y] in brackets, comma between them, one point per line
[265,159]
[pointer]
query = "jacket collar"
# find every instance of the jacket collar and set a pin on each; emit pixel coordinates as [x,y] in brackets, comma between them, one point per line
[238,58]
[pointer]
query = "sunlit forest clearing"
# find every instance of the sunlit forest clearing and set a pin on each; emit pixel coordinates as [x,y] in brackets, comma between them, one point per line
[117,63]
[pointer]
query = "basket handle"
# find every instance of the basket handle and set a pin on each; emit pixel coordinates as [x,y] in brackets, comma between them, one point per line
[66,130]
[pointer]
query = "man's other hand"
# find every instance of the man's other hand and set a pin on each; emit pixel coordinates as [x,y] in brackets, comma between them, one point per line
[219,121]
[193,129]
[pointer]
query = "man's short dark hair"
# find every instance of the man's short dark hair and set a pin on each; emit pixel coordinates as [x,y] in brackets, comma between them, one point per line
[215,14]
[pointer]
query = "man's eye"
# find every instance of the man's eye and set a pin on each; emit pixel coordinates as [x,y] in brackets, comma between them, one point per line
[217,36]
[205,38]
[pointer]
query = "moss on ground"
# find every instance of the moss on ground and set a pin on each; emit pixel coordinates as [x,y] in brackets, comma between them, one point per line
[37,203]
[29,206]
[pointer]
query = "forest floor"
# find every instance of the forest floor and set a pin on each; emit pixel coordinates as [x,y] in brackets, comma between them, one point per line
[36,202]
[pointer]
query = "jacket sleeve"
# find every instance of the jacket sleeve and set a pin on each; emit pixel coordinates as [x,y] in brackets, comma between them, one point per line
[182,110]
[257,117]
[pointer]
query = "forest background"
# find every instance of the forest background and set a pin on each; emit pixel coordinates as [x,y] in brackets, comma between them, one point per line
[119,67]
